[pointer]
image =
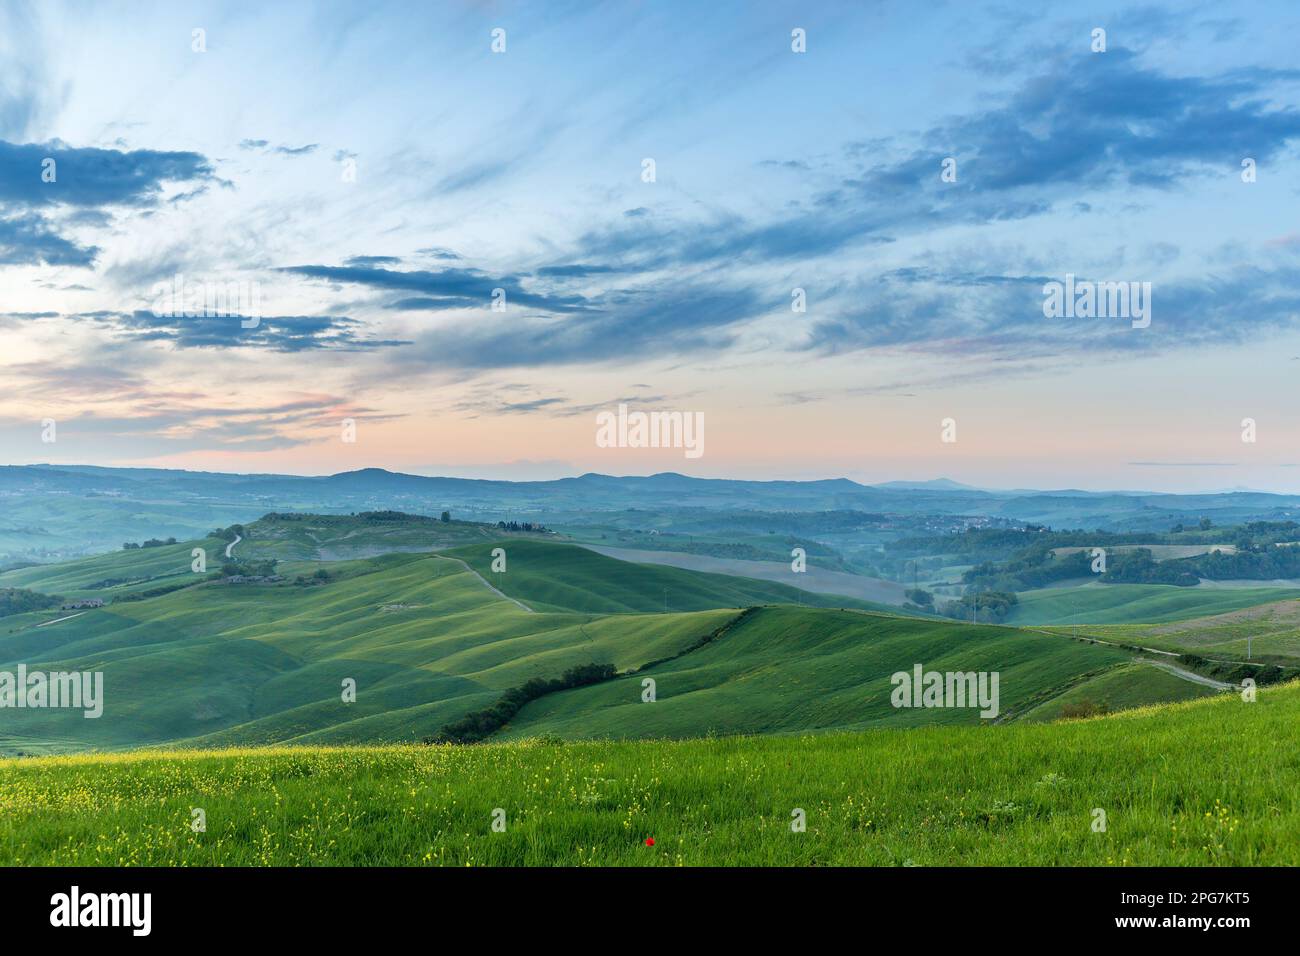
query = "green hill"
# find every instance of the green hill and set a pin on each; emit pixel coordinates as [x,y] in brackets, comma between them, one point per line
[429,639]
[1120,688]
[1271,632]
[117,571]
[313,537]
[1207,783]
[422,637]
[1127,603]
[787,669]
[551,576]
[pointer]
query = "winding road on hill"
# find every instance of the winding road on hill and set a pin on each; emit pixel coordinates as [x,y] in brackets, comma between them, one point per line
[1187,675]
[230,547]
[519,604]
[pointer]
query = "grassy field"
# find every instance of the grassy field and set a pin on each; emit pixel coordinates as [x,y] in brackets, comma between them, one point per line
[340,537]
[1121,688]
[813,578]
[553,576]
[1204,783]
[120,571]
[220,664]
[427,642]
[789,669]
[1130,603]
[1273,632]
[424,639]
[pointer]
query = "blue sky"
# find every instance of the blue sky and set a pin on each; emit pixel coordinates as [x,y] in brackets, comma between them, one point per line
[775,170]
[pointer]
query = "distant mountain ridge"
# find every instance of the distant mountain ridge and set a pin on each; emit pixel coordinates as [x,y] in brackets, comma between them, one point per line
[383,479]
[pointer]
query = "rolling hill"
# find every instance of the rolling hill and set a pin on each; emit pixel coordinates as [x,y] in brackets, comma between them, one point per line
[1271,632]
[421,635]
[787,669]
[431,638]
[1129,603]
[554,576]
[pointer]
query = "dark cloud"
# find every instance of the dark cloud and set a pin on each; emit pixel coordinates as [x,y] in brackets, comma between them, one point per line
[425,304]
[577,270]
[438,252]
[369,261]
[89,177]
[455,286]
[28,239]
[281,333]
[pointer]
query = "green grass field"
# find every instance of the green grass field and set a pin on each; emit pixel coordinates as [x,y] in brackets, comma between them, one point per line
[427,642]
[422,637]
[1130,603]
[1271,633]
[117,571]
[550,576]
[340,537]
[787,669]
[1209,782]
[1121,688]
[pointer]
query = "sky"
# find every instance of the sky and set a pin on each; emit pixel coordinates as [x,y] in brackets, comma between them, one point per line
[442,249]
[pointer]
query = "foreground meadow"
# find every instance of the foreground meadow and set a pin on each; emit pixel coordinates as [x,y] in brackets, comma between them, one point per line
[1211,782]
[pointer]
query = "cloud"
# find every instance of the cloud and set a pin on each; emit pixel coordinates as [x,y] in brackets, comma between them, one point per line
[264,146]
[957,313]
[282,333]
[497,400]
[577,270]
[46,187]
[437,252]
[643,325]
[1095,122]
[28,239]
[456,287]
[370,261]
[90,177]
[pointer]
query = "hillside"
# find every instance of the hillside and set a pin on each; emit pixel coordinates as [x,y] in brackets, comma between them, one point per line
[119,571]
[431,638]
[554,576]
[313,537]
[1120,688]
[1271,632]
[421,635]
[787,669]
[1206,783]
[1129,603]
